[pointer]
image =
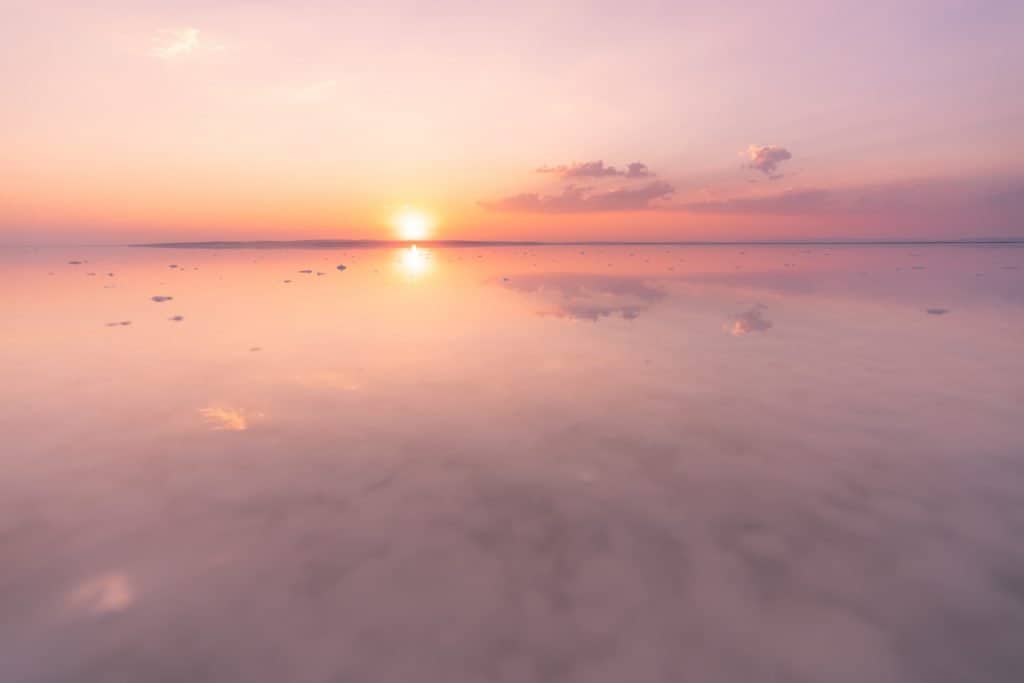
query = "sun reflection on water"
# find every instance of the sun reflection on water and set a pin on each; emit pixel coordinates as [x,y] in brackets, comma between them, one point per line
[414,262]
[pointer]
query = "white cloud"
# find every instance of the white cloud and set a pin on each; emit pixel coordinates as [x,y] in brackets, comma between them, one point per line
[176,43]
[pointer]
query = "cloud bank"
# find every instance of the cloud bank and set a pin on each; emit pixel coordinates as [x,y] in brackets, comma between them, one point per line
[597,169]
[575,199]
[786,203]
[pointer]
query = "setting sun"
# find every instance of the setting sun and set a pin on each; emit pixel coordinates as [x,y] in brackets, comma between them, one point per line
[413,224]
[457,341]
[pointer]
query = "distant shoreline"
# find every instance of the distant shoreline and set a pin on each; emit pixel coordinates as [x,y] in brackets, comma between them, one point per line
[450,244]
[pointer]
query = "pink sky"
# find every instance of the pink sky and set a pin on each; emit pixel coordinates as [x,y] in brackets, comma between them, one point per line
[139,120]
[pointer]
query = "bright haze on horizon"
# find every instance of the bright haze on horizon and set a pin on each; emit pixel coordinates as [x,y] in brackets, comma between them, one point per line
[142,121]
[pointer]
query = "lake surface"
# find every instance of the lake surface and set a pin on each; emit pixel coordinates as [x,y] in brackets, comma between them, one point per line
[600,464]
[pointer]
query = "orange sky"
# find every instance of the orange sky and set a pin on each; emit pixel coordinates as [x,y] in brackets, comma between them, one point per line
[131,121]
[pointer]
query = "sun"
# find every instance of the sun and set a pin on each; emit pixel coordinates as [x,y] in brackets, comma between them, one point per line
[413,224]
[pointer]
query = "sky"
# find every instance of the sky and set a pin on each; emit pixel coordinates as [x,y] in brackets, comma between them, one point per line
[135,120]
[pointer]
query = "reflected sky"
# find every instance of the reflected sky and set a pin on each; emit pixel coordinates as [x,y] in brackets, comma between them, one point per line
[517,464]
[587,296]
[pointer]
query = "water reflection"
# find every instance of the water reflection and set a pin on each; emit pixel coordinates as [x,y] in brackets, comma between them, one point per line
[414,262]
[102,594]
[834,495]
[225,419]
[750,321]
[586,296]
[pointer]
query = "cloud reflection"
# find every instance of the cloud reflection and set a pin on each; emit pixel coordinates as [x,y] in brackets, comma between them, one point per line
[103,594]
[750,321]
[586,296]
[224,419]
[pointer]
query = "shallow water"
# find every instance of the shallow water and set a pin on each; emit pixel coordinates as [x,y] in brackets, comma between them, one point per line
[513,464]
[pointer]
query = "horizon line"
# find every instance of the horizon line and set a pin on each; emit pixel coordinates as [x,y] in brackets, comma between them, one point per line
[441,244]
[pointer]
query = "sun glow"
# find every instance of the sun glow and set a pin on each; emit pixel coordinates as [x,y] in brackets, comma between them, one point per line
[413,224]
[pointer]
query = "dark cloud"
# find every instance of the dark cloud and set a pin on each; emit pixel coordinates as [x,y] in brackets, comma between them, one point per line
[575,199]
[791,202]
[638,170]
[597,169]
[766,159]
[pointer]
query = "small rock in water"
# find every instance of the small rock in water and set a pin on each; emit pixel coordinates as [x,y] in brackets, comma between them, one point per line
[173,265]
[160,298]
[306,272]
[319,273]
[287,281]
[120,323]
[256,348]
[75,263]
[936,311]
[341,266]
[176,318]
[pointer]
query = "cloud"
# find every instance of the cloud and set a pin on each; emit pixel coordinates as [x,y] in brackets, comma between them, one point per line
[766,159]
[177,43]
[993,206]
[785,203]
[597,169]
[576,199]
[588,169]
[638,170]
[749,321]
